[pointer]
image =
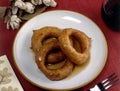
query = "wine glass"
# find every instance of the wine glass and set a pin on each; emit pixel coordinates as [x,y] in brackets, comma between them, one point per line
[111,14]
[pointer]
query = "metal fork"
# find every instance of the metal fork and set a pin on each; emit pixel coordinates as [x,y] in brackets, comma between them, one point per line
[106,83]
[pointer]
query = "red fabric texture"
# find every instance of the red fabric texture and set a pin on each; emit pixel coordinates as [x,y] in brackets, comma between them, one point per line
[89,8]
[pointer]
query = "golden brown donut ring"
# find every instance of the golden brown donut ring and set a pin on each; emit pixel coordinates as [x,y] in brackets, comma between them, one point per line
[42,34]
[45,35]
[52,74]
[76,57]
[58,56]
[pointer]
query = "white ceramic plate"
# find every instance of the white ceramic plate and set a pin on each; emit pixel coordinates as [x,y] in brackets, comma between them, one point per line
[24,57]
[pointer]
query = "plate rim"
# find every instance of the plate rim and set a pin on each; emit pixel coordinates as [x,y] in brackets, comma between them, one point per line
[76,87]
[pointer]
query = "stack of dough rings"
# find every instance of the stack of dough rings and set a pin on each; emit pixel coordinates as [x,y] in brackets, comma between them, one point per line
[54,46]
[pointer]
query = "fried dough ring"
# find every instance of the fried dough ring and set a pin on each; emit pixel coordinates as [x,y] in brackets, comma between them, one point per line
[84,41]
[42,34]
[52,74]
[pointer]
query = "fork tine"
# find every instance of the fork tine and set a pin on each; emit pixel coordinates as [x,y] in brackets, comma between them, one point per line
[110,81]
[109,77]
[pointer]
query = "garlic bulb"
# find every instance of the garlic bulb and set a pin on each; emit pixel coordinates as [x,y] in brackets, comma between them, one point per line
[36,2]
[26,6]
[20,4]
[51,3]
[14,22]
[29,7]
[21,7]
[14,10]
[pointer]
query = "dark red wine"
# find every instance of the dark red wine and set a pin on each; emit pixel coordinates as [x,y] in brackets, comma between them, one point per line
[111,14]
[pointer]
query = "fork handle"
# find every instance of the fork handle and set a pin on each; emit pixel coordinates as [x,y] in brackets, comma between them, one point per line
[95,88]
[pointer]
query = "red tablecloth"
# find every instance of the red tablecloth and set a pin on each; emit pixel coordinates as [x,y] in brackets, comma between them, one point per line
[89,8]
